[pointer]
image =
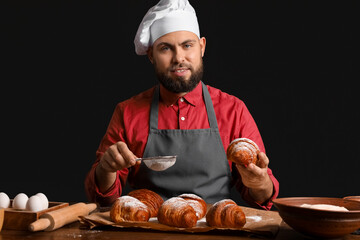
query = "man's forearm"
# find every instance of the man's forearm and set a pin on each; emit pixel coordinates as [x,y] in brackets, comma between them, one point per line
[104,179]
[263,194]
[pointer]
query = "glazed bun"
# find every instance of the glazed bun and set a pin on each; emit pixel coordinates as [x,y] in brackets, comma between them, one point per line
[243,151]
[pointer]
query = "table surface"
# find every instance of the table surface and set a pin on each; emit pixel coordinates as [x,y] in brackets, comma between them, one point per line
[73,231]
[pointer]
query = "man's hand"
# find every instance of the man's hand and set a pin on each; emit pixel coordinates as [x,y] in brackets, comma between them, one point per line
[256,178]
[117,157]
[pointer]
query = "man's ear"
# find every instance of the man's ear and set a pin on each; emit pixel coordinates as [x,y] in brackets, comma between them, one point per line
[150,54]
[202,45]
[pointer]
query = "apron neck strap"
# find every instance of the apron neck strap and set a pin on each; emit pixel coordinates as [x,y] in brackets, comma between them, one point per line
[209,107]
[154,111]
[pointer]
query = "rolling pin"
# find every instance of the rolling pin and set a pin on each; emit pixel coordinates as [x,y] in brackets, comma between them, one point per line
[60,217]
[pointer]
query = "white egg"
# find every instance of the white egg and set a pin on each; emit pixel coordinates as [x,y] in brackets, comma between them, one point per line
[4,200]
[44,200]
[20,201]
[34,204]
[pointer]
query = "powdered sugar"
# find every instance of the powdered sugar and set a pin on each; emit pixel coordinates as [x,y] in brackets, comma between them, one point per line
[160,164]
[244,146]
[193,201]
[190,195]
[241,147]
[131,202]
[176,202]
[245,140]
[244,143]
[196,206]
[222,201]
[244,149]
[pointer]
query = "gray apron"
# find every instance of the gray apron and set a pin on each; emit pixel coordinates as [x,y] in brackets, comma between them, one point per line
[201,166]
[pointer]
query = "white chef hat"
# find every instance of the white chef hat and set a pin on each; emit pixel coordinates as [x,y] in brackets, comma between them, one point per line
[165,17]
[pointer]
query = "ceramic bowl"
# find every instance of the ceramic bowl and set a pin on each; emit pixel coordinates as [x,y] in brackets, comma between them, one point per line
[1,218]
[319,223]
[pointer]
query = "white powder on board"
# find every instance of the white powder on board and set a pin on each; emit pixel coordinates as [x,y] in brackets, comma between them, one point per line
[254,218]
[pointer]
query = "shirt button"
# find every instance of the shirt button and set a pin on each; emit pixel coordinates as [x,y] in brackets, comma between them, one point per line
[181,100]
[182,118]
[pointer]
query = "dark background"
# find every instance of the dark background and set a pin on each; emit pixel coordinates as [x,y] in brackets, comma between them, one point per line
[66,64]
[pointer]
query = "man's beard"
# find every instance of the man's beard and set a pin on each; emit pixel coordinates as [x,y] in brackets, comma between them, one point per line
[179,84]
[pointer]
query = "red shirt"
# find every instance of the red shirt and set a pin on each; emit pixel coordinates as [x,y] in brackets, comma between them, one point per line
[130,124]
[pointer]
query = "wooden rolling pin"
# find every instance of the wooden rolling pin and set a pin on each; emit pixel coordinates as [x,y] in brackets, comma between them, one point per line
[60,217]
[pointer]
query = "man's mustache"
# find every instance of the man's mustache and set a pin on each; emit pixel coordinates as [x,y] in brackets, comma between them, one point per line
[181,65]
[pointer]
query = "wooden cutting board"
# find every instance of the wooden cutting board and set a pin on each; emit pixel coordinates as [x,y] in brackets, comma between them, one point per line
[21,219]
[259,222]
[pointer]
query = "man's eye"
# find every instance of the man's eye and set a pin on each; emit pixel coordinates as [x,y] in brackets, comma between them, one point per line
[187,45]
[165,48]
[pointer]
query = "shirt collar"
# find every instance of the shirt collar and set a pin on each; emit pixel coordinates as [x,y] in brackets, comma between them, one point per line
[192,97]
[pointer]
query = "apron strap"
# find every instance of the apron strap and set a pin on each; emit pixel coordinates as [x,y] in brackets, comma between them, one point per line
[154,111]
[209,107]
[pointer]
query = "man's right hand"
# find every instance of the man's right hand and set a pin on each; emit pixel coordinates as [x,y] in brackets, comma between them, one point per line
[116,157]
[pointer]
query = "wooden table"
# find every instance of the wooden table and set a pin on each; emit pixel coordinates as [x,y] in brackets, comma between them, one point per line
[72,231]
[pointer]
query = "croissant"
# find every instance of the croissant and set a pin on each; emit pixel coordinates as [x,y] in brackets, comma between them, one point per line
[243,151]
[197,203]
[225,214]
[177,212]
[128,208]
[149,198]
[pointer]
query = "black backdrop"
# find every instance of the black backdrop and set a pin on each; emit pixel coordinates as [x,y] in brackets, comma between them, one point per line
[66,64]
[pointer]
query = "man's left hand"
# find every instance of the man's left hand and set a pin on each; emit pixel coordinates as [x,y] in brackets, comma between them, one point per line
[256,178]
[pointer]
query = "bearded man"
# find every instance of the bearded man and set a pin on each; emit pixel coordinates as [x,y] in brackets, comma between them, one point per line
[181,116]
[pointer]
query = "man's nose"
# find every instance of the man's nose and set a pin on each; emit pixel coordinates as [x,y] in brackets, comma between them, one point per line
[179,55]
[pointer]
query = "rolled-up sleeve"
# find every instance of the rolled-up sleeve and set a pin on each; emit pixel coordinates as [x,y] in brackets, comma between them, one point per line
[244,191]
[108,197]
[113,134]
[247,128]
